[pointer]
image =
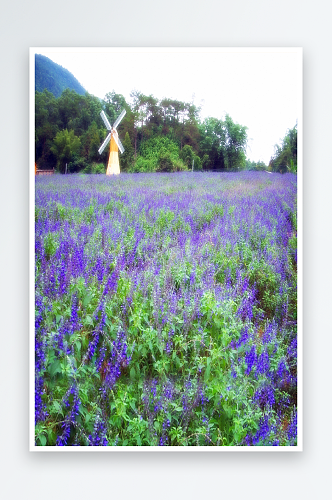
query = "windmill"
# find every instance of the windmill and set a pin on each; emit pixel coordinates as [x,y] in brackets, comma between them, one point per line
[113,167]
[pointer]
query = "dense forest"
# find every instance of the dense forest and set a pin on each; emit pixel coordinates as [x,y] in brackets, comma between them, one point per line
[164,135]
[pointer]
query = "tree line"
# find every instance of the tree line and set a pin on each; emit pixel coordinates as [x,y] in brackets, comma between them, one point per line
[285,154]
[158,135]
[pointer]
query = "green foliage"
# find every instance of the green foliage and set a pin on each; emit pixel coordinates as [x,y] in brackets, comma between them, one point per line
[46,128]
[255,166]
[164,162]
[65,145]
[285,156]
[54,78]
[267,283]
[187,155]
[94,168]
[224,143]
[143,165]
[91,141]
[50,245]
[76,164]
[158,136]
[127,158]
[114,105]
[159,154]
[186,379]
[210,212]
[206,163]
[70,111]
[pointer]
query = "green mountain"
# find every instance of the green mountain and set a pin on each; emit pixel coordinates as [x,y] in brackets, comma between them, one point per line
[55,78]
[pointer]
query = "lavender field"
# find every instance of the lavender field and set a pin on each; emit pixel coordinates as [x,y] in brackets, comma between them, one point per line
[166,310]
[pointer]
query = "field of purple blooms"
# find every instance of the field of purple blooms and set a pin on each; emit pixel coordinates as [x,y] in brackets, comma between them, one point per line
[166,310]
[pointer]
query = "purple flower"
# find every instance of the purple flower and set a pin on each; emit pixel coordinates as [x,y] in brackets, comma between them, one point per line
[264,396]
[244,337]
[98,437]
[263,363]
[292,428]
[263,430]
[250,359]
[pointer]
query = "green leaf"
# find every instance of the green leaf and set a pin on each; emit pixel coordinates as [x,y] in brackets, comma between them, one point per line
[51,437]
[86,300]
[132,404]
[42,439]
[132,373]
[157,425]
[55,368]
[57,406]
[88,320]
[207,373]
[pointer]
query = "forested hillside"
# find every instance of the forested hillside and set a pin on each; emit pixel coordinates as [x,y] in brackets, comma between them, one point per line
[158,135]
[53,77]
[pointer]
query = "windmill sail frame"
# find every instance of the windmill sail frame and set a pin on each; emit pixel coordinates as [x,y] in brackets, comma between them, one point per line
[116,145]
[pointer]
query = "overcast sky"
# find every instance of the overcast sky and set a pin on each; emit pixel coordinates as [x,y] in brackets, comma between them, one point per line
[258,88]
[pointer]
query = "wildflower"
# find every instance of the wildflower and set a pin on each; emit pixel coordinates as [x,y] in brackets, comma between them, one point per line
[263,363]
[250,359]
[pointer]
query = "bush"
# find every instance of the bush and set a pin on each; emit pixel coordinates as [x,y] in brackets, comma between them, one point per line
[159,154]
[165,162]
[94,168]
[77,164]
[179,166]
[197,163]
[187,155]
[143,165]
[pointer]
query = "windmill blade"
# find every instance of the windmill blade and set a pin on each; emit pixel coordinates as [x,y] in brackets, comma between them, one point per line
[119,118]
[105,120]
[104,144]
[118,142]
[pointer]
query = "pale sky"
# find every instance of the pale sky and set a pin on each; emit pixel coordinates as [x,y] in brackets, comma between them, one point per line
[260,88]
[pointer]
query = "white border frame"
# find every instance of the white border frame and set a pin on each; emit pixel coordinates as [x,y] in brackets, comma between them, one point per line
[32,447]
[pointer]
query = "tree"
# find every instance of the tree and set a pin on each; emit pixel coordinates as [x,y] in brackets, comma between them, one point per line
[212,143]
[206,162]
[65,145]
[187,155]
[159,154]
[115,103]
[235,144]
[127,156]
[70,106]
[47,125]
[285,155]
[255,166]
[91,142]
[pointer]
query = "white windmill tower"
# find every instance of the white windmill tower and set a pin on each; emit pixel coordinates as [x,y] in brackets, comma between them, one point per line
[113,167]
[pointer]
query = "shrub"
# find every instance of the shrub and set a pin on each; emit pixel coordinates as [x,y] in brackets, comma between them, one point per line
[143,165]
